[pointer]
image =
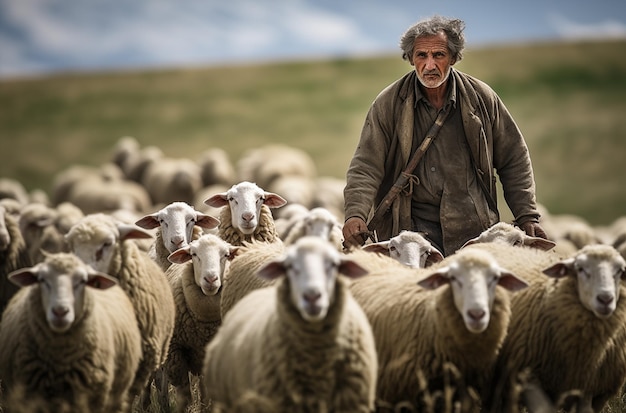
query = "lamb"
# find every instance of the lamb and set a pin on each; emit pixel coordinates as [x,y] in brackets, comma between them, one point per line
[508,234]
[13,255]
[418,331]
[409,248]
[69,340]
[569,330]
[303,344]
[177,224]
[318,222]
[105,244]
[196,285]
[245,213]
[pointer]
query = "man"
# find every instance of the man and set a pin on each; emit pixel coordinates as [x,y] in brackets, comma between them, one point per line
[451,195]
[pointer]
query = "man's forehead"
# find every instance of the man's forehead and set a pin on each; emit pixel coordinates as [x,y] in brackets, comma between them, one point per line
[437,41]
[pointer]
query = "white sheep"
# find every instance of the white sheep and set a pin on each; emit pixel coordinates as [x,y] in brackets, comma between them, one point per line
[409,248]
[172,179]
[418,331]
[37,225]
[216,167]
[175,225]
[506,233]
[303,344]
[13,255]
[245,213]
[69,340]
[265,164]
[106,244]
[196,284]
[13,189]
[568,328]
[319,222]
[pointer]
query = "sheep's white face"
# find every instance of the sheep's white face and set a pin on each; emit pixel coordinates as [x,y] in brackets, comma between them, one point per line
[62,278]
[177,221]
[473,279]
[210,256]
[97,251]
[408,248]
[508,234]
[319,222]
[599,270]
[245,201]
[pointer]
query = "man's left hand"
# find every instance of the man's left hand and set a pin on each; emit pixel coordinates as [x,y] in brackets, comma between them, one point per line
[533,229]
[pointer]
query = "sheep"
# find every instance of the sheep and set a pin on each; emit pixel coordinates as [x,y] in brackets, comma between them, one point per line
[295,189]
[13,255]
[37,225]
[177,224]
[508,234]
[69,340]
[172,179]
[409,248]
[245,213]
[14,189]
[302,344]
[64,181]
[240,279]
[318,222]
[136,165]
[568,328]
[104,243]
[126,148]
[196,284]
[265,164]
[216,168]
[418,331]
[329,194]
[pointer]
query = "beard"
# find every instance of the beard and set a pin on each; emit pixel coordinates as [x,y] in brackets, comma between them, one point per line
[430,84]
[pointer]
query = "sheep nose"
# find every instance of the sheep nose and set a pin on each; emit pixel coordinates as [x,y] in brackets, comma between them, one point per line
[60,310]
[476,314]
[210,279]
[311,296]
[605,298]
[247,216]
[178,242]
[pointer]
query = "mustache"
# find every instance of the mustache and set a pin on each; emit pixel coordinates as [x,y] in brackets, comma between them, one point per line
[431,72]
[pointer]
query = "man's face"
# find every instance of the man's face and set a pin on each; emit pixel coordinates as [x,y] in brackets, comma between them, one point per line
[432,60]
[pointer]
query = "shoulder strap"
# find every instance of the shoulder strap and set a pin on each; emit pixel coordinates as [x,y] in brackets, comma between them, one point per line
[406,174]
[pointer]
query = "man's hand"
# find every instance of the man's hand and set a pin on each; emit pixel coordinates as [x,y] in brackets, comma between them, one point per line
[533,229]
[354,230]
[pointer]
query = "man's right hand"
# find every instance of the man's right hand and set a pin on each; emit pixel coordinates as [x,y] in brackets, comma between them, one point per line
[354,232]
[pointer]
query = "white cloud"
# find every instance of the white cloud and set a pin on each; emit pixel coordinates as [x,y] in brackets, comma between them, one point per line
[569,29]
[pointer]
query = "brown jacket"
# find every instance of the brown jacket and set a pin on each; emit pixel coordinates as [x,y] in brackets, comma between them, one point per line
[385,148]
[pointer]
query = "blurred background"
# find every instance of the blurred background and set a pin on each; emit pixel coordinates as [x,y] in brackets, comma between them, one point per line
[76,76]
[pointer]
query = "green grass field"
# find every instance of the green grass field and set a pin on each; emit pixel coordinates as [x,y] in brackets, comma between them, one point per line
[568,99]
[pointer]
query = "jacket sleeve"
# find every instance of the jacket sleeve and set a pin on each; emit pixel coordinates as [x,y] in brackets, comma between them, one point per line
[513,165]
[367,167]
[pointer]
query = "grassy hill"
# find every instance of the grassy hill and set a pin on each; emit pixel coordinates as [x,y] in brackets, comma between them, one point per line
[568,99]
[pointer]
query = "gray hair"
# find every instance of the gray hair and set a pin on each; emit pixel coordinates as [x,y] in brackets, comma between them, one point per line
[452,28]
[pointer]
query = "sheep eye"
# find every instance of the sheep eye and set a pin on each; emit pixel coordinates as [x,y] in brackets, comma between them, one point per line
[517,243]
[392,248]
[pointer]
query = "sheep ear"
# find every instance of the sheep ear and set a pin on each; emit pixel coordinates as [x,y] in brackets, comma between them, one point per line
[539,243]
[511,281]
[560,269]
[435,280]
[381,247]
[217,200]
[233,252]
[351,269]
[206,221]
[101,281]
[180,256]
[434,256]
[272,270]
[24,277]
[130,231]
[148,222]
[273,200]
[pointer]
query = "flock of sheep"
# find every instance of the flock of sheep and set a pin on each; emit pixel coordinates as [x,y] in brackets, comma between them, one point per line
[227,286]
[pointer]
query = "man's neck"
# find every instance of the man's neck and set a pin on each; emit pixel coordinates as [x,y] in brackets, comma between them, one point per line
[436,96]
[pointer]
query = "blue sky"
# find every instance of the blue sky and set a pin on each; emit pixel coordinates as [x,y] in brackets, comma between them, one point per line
[43,36]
